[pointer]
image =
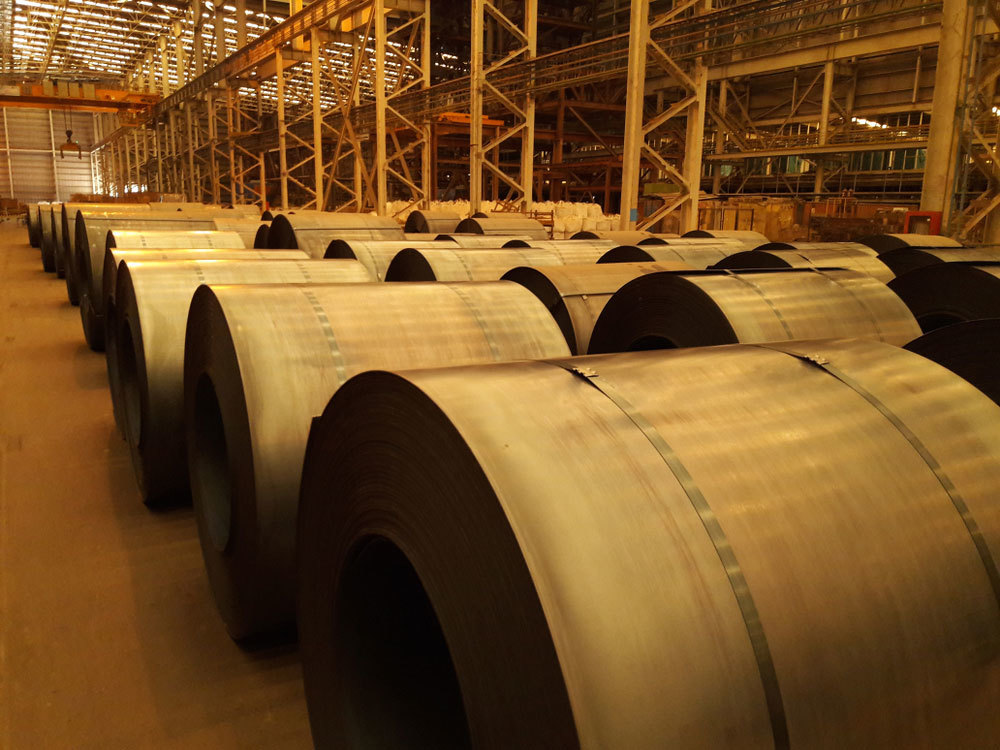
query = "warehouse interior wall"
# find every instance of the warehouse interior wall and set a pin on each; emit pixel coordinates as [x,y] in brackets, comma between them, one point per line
[31,166]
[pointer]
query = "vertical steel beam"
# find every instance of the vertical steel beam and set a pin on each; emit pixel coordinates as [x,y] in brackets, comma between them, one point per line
[317,116]
[476,81]
[279,63]
[943,140]
[720,136]
[824,126]
[381,176]
[693,143]
[634,101]
[241,24]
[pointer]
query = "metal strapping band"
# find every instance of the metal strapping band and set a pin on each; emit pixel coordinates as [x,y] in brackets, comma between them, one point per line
[744,598]
[199,273]
[331,340]
[494,350]
[774,309]
[858,299]
[942,476]
[371,259]
[461,258]
[305,271]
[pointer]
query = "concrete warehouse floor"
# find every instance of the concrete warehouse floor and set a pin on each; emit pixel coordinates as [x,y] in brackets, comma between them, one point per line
[108,634]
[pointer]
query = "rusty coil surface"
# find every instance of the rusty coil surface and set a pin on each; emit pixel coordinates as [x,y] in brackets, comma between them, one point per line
[500,226]
[819,257]
[261,362]
[758,547]
[92,241]
[885,242]
[151,305]
[569,251]
[696,256]
[908,259]
[575,294]
[376,255]
[666,310]
[742,235]
[619,237]
[431,222]
[947,293]
[312,231]
[480,240]
[464,264]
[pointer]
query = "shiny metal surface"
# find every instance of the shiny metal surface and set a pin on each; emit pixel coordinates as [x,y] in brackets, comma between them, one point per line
[376,255]
[141,239]
[113,258]
[464,264]
[947,293]
[248,228]
[908,259]
[732,547]
[885,242]
[151,305]
[857,247]
[620,237]
[261,362]
[431,222]
[504,226]
[68,220]
[479,240]
[696,256]
[971,350]
[58,243]
[312,231]
[575,294]
[743,235]
[666,310]
[569,251]
[92,233]
[851,259]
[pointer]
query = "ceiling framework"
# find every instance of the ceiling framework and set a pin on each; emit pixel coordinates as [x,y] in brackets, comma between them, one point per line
[813,98]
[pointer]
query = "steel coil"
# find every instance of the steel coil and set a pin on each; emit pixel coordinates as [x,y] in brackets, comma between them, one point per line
[480,240]
[92,242]
[32,218]
[151,304]
[261,363]
[861,261]
[969,349]
[666,310]
[620,237]
[376,255]
[67,218]
[58,242]
[500,226]
[950,293]
[856,247]
[421,236]
[313,231]
[428,222]
[141,239]
[113,258]
[741,235]
[482,264]
[753,547]
[908,259]
[569,251]
[885,242]
[575,294]
[47,242]
[696,256]
[250,229]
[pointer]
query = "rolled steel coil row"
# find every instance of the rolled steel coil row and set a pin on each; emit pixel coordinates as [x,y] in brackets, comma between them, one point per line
[781,532]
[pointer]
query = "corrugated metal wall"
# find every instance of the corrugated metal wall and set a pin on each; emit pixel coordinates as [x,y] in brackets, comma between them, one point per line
[29,170]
